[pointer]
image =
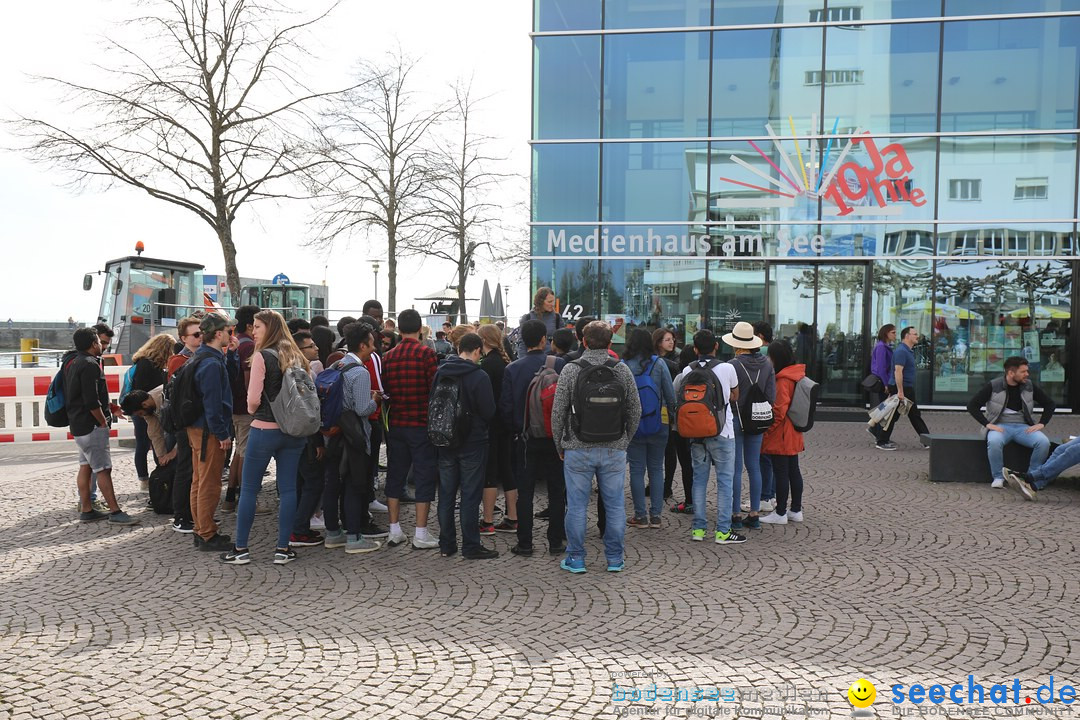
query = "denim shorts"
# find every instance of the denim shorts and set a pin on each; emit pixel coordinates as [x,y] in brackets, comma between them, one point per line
[94,450]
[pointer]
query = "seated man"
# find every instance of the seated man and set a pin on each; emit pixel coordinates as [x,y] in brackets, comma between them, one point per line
[1029,483]
[1010,406]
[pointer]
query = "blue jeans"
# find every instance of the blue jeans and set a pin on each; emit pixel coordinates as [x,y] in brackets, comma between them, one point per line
[609,467]
[768,482]
[1017,433]
[648,452]
[1063,458]
[462,469]
[718,452]
[264,444]
[748,453]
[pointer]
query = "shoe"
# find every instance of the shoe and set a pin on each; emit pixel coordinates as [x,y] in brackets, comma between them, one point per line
[729,538]
[1021,483]
[544,514]
[122,518]
[697,535]
[286,556]
[334,539]
[229,506]
[774,519]
[393,539]
[377,507]
[374,531]
[616,566]
[487,528]
[236,557]
[428,543]
[557,549]
[522,551]
[361,544]
[886,446]
[752,522]
[638,522]
[571,565]
[181,526]
[317,522]
[655,521]
[199,542]
[998,483]
[482,554]
[507,526]
[218,543]
[736,522]
[100,505]
[794,516]
[407,499]
[308,539]
[683,508]
[767,505]
[92,515]
[144,484]
[448,553]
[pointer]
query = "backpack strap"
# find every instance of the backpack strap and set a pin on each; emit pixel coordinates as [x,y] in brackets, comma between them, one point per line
[549,362]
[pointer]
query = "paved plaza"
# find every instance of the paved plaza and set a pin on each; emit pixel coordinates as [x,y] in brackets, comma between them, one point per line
[889,578]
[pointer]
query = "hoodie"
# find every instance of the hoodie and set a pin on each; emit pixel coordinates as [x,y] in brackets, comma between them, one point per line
[478,394]
[782,438]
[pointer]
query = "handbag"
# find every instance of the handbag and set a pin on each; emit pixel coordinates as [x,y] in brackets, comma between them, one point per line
[872,383]
[352,430]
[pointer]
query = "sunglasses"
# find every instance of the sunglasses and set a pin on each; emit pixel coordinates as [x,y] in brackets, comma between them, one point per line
[195,334]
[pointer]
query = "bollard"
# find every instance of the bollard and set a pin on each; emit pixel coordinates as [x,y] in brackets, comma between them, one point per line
[28,358]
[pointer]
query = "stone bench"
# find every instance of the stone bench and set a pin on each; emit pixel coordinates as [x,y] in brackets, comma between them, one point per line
[962,458]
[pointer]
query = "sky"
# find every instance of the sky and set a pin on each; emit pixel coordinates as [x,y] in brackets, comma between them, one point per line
[51,236]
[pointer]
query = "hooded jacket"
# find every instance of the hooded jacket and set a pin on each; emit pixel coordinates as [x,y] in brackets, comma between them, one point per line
[782,438]
[478,393]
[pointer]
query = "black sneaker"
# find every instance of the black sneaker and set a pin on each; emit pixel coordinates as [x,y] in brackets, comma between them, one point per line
[308,539]
[482,554]
[181,526]
[522,551]
[284,557]
[729,538]
[557,549]
[92,515]
[373,531]
[507,526]
[199,542]
[544,514]
[218,543]
[236,557]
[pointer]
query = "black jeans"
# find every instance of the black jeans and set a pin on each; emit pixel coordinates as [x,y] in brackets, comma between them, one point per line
[181,489]
[309,489]
[787,474]
[349,482]
[913,415]
[686,465]
[541,462]
[462,469]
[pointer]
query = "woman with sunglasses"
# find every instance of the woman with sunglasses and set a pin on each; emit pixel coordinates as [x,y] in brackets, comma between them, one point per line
[190,339]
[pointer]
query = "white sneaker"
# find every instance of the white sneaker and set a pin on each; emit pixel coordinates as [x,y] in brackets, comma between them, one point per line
[144,484]
[998,483]
[317,522]
[768,505]
[428,543]
[794,516]
[774,519]
[396,538]
[376,506]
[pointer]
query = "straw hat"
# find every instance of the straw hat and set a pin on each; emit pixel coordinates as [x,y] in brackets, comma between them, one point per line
[742,336]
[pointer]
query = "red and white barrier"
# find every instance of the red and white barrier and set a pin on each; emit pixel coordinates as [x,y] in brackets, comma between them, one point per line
[25,389]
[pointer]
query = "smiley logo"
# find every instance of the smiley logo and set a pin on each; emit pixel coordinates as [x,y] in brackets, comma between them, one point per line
[862,693]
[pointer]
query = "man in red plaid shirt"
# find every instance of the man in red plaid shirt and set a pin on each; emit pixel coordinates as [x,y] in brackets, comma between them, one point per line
[408,372]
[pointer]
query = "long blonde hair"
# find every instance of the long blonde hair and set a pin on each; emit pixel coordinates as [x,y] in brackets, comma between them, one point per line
[157,350]
[277,338]
[493,338]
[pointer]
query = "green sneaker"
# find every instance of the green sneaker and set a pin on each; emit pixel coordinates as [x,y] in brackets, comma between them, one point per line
[697,535]
[729,538]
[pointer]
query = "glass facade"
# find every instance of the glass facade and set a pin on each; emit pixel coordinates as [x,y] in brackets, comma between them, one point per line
[828,167]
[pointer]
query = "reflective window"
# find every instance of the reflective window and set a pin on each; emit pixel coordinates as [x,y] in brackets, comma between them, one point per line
[760,76]
[554,15]
[566,182]
[574,283]
[574,241]
[1015,238]
[656,13]
[1010,74]
[877,177]
[653,181]
[656,85]
[902,296]
[988,169]
[895,9]
[653,293]
[897,239]
[762,180]
[1001,7]
[566,89]
[882,78]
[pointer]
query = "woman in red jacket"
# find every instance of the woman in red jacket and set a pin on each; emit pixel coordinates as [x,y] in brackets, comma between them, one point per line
[782,442]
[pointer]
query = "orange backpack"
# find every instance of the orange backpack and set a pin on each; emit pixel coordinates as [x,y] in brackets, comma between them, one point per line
[701,408]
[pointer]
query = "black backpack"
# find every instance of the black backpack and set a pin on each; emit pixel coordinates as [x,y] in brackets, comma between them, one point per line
[161,484]
[755,410]
[598,405]
[182,397]
[449,420]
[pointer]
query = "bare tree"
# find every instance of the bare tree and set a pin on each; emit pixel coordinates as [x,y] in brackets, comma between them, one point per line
[376,142]
[209,117]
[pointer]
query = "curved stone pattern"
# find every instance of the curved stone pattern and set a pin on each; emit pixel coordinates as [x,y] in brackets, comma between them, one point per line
[890,578]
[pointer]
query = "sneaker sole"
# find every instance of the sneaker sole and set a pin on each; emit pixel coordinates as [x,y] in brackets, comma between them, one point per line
[879,447]
[506,530]
[283,561]
[293,543]
[238,561]
[333,545]
[697,539]
[397,543]
[730,542]
[358,551]
[616,568]
[421,547]
[183,531]
[575,571]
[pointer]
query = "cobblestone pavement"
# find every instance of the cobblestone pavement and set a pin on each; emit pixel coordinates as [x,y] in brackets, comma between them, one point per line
[889,578]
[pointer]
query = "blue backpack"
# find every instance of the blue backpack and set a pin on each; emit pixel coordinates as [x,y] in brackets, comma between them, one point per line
[128,377]
[330,387]
[650,402]
[55,404]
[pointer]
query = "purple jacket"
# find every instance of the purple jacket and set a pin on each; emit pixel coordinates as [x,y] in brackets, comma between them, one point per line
[881,363]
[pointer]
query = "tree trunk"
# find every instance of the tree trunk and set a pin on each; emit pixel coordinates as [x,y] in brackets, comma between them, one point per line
[391,272]
[228,251]
[463,274]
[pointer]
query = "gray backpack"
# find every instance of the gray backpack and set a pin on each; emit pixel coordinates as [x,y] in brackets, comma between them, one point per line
[296,408]
[804,400]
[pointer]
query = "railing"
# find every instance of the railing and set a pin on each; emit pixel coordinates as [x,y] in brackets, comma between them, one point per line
[22,405]
[12,359]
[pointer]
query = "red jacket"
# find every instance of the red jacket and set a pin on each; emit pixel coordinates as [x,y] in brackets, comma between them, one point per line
[782,438]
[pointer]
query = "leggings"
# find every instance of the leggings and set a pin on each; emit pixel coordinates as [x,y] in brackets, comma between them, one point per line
[787,474]
[142,447]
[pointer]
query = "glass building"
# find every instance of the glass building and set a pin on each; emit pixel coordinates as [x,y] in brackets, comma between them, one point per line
[827,167]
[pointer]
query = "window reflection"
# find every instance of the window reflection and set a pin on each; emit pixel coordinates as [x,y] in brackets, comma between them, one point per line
[555,15]
[653,181]
[566,182]
[566,89]
[657,13]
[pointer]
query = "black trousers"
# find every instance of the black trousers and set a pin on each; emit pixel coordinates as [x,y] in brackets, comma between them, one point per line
[311,482]
[348,482]
[540,462]
[181,489]
[678,448]
[913,415]
[788,476]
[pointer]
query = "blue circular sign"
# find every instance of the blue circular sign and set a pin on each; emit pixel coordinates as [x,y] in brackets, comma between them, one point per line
[280,279]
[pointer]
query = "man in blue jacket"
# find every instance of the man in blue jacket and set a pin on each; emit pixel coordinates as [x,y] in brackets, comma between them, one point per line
[534,457]
[211,434]
[464,466]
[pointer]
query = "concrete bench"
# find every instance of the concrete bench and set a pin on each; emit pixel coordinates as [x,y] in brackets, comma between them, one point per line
[962,458]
